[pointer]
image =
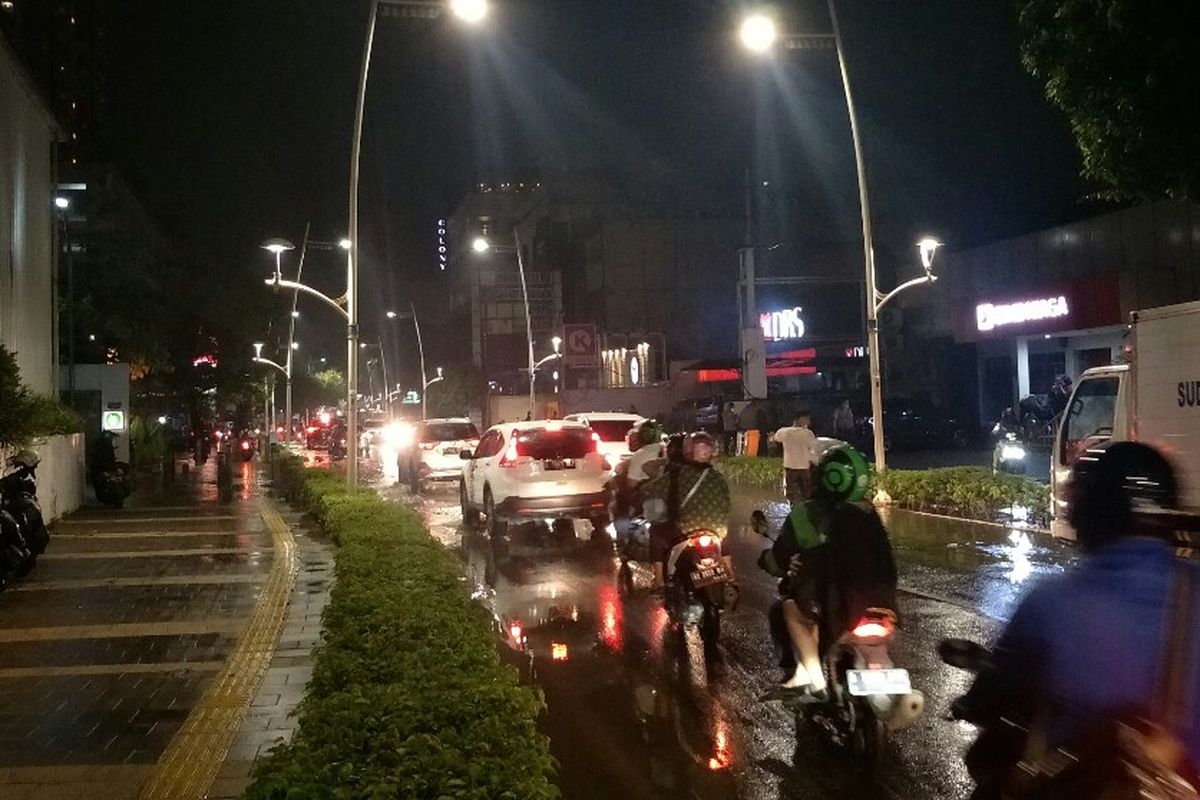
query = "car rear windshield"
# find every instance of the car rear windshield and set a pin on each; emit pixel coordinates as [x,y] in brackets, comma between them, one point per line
[546,444]
[449,432]
[611,430]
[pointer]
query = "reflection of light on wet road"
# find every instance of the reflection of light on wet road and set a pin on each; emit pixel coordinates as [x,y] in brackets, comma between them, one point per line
[722,755]
[610,619]
[1021,548]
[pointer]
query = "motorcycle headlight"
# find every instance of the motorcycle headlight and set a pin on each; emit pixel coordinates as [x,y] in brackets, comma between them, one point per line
[1012,452]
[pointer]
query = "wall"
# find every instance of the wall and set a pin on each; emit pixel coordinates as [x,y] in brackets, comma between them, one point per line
[60,474]
[27,308]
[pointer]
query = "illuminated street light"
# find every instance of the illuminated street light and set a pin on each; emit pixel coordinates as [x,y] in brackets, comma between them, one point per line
[480,245]
[758,33]
[295,345]
[469,11]
[928,248]
[295,315]
[62,203]
[344,244]
[391,315]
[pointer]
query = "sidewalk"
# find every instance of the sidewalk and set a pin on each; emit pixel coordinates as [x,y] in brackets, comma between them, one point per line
[131,655]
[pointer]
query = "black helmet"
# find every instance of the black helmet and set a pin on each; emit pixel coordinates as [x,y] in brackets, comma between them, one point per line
[1116,488]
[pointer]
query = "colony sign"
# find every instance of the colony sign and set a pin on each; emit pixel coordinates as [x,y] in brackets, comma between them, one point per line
[989,316]
[780,326]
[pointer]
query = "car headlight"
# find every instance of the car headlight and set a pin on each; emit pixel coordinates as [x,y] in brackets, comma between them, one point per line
[1012,452]
[398,434]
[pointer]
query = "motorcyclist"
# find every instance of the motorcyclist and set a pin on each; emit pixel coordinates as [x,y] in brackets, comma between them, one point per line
[1087,645]
[645,442]
[834,560]
[688,496]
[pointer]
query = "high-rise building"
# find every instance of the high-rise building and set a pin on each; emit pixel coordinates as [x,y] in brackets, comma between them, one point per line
[62,44]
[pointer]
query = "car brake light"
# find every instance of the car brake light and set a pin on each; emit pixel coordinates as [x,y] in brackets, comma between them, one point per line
[511,453]
[868,628]
[595,446]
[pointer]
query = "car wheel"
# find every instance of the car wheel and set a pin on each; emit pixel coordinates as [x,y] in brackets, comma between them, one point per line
[470,516]
[495,527]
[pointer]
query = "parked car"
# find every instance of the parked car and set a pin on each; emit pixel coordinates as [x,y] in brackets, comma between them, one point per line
[914,425]
[612,427]
[432,453]
[539,470]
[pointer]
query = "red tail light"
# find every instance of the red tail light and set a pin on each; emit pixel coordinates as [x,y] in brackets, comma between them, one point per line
[309,429]
[705,540]
[872,628]
[245,444]
[595,445]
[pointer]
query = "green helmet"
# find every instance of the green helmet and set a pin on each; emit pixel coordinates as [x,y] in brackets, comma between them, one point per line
[842,475]
[646,432]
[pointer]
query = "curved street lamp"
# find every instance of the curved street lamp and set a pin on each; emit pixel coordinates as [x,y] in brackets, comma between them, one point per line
[481,245]
[758,34]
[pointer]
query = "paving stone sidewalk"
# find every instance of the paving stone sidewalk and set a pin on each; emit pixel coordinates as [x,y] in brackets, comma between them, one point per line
[109,644]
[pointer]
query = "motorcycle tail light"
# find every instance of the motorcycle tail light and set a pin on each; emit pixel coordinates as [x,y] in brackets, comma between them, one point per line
[872,628]
[245,445]
[705,540]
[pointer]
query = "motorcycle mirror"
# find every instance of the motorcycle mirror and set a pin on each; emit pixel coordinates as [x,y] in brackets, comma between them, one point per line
[758,522]
[962,653]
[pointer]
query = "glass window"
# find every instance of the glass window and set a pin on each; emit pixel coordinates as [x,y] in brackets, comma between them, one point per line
[489,445]
[611,430]
[448,432]
[1090,415]
[544,444]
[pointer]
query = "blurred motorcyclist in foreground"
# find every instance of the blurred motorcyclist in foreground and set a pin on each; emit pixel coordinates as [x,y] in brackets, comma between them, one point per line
[1098,642]
[645,441]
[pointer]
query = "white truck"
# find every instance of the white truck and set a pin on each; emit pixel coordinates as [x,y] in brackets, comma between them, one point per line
[1154,398]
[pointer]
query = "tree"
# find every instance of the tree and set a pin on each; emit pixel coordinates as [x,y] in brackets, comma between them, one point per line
[1127,74]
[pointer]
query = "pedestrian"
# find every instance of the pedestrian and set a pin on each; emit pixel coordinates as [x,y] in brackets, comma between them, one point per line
[843,422]
[799,457]
[729,424]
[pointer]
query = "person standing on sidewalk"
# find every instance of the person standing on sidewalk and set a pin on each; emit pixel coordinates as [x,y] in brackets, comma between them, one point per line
[843,422]
[799,457]
[729,419]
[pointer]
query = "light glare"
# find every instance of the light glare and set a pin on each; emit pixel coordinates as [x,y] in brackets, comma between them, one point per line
[480,245]
[471,11]
[758,33]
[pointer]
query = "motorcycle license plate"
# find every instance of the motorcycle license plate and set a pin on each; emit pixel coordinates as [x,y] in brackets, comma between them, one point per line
[707,576]
[864,682]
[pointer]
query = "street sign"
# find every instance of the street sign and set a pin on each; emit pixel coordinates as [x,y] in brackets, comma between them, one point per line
[411,398]
[580,345]
[113,421]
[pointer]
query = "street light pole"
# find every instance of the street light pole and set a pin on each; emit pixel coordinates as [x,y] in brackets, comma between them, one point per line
[481,245]
[412,314]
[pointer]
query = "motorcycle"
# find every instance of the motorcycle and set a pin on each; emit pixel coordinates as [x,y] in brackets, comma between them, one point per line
[246,447]
[1002,742]
[18,496]
[700,583]
[1038,412]
[113,485]
[867,695]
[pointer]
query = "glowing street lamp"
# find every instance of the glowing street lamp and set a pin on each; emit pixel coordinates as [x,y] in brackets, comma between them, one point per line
[481,246]
[758,33]
[469,11]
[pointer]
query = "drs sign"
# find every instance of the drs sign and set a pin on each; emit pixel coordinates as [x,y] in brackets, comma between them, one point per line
[782,326]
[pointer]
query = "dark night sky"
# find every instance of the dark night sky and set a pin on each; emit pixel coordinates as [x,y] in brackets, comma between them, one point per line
[234,118]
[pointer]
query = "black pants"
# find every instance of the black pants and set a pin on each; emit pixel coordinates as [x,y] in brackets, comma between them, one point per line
[797,485]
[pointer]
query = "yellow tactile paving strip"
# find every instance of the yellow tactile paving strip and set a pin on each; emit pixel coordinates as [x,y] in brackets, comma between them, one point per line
[119,630]
[190,763]
[120,554]
[111,669]
[154,580]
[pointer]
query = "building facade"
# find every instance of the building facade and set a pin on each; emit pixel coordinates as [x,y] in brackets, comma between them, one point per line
[28,239]
[1005,319]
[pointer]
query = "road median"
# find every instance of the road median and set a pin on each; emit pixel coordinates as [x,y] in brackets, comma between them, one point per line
[409,697]
[972,493]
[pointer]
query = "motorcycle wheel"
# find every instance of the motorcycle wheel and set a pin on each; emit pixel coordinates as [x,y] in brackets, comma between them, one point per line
[870,737]
[710,625]
[625,580]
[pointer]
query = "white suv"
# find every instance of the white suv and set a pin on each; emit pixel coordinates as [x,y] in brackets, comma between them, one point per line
[547,469]
[612,427]
[433,453]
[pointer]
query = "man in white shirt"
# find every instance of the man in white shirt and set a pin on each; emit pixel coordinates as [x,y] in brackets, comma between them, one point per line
[799,457]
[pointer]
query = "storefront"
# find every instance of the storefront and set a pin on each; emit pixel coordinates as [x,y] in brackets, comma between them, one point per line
[1025,340]
[1055,302]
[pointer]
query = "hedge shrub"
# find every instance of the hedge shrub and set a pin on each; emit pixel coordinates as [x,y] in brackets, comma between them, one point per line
[972,492]
[409,697]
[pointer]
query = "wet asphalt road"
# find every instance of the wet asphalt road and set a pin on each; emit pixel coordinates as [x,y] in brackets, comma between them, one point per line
[633,713]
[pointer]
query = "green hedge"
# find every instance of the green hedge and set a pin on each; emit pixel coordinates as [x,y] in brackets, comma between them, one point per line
[972,492]
[409,697]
